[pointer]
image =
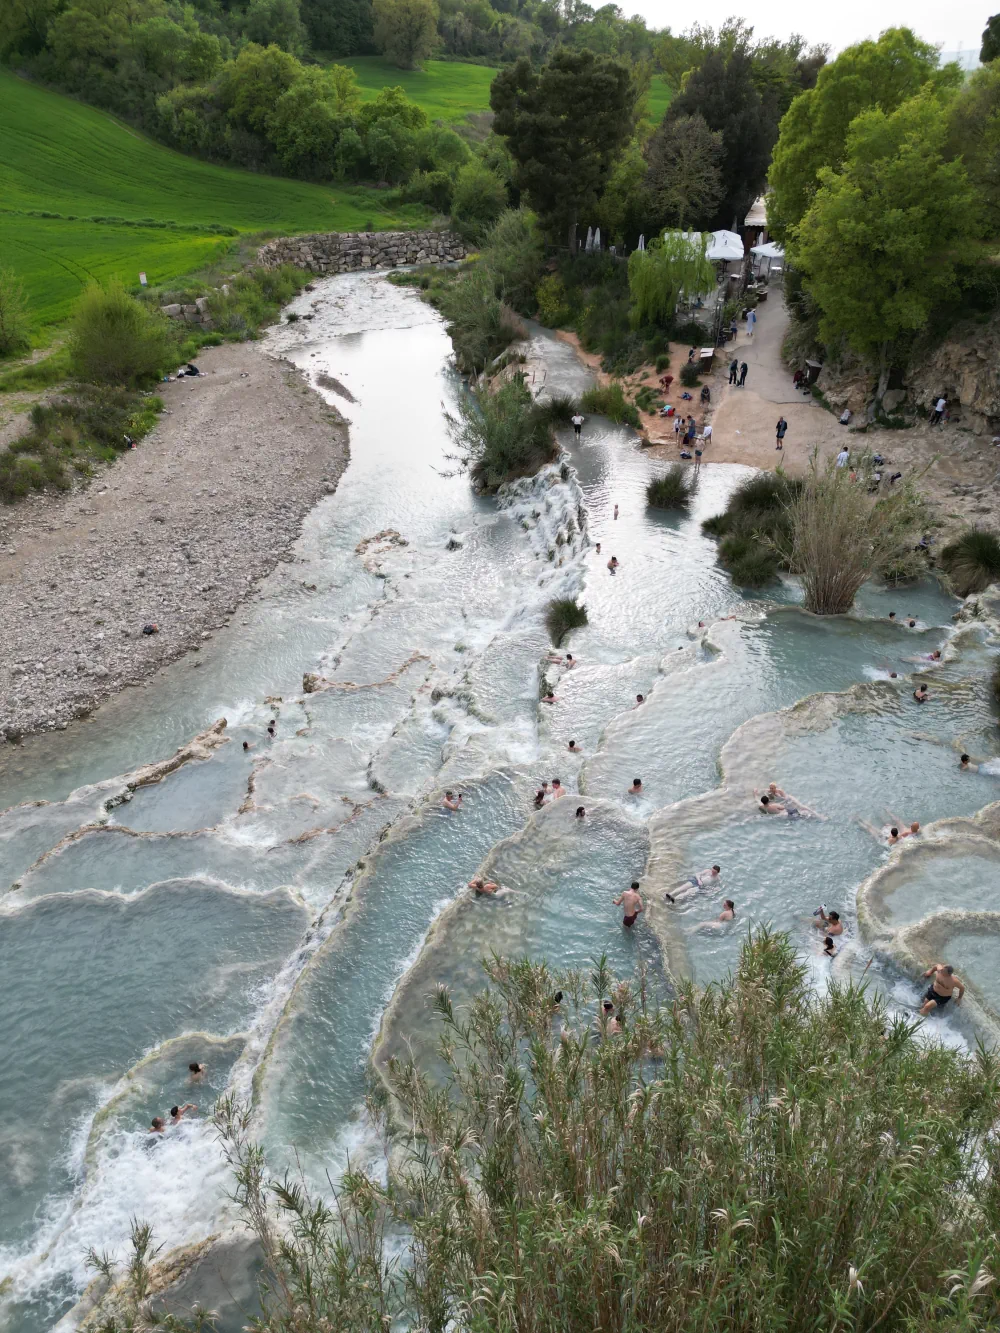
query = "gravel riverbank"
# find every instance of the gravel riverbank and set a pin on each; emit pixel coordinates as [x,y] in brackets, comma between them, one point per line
[177,532]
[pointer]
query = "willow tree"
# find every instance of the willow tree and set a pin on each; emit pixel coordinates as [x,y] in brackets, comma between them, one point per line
[673,268]
[840,534]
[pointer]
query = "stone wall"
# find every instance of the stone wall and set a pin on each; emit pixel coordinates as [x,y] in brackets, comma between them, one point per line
[349,251]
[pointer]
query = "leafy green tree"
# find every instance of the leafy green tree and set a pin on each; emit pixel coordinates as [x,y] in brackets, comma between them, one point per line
[392,104]
[975,136]
[405,30]
[627,207]
[341,27]
[990,48]
[392,150]
[512,254]
[565,125]
[722,91]
[276,22]
[309,118]
[813,133]
[250,85]
[479,199]
[685,173]
[880,244]
[671,268]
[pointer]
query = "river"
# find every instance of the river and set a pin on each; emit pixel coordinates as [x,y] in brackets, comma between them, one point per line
[279,912]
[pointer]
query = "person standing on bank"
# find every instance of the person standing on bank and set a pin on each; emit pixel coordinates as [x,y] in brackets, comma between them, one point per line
[751,321]
[780,429]
[578,421]
[743,374]
[734,370]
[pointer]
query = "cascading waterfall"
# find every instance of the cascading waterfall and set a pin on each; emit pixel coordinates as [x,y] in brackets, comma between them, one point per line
[284,912]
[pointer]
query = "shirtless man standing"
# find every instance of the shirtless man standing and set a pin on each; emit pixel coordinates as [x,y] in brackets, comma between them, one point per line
[631,904]
[942,988]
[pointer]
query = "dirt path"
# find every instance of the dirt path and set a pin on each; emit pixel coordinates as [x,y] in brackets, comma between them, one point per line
[177,532]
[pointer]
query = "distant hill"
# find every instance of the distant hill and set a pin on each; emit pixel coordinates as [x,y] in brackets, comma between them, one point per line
[449,89]
[59,156]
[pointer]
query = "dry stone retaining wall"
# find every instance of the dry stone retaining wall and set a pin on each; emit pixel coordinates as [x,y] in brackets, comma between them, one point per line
[350,251]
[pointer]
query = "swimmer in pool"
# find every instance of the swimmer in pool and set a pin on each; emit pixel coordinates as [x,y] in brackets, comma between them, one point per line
[557,789]
[196,1071]
[481,887]
[607,1024]
[828,921]
[941,989]
[828,947]
[639,699]
[573,747]
[892,615]
[728,912]
[451,801]
[549,698]
[157,1126]
[636,787]
[177,1113]
[568,661]
[920,694]
[793,810]
[616,511]
[581,813]
[965,765]
[935,656]
[247,747]
[897,833]
[597,548]
[693,882]
[774,793]
[539,798]
[613,563]
[631,905]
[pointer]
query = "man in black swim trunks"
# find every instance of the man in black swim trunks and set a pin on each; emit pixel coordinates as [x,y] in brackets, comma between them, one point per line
[942,988]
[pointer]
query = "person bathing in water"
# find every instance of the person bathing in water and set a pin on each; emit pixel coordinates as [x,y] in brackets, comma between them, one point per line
[792,809]
[941,989]
[892,832]
[828,921]
[489,888]
[631,905]
[451,801]
[920,694]
[694,882]
[636,787]
[613,563]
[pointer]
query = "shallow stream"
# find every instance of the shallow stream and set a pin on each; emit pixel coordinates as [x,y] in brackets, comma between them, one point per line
[259,910]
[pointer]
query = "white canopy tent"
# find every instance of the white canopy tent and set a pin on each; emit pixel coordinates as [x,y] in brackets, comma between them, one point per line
[724,245]
[772,250]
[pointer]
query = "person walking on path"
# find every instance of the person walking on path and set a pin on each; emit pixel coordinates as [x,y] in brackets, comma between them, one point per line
[577,421]
[743,374]
[751,321]
[780,429]
[734,370]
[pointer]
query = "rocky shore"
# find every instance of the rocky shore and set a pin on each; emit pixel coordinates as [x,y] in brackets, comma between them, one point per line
[175,533]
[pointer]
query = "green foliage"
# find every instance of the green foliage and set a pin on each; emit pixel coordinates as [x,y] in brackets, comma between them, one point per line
[880,243]
[674,490]
[478,200]
[972,561]
[990,48]
[750,563]
[405,30]
[15,331]
[608,400]
[562,615]
[512,254]
[551,297]
[873,74]
[685,172]
[479,324]
[662,362]
[500,433]
[754,527]
[116,340]
[753,1156]
[254,299]
[723,92]
[69,435]
[689,374]
[672,268]
[40,374]
[564,124]
[975,137]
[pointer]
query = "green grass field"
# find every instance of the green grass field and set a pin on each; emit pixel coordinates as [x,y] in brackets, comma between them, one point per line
[59,156]
[448,89]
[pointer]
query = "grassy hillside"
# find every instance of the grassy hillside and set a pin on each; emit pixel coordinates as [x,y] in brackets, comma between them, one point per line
[448,89]
[59,156]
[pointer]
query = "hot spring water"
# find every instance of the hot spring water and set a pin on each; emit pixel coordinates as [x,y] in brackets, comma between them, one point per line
[277,913]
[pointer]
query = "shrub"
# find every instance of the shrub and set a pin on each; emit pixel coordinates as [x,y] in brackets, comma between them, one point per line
[254,299]
[839,535]
[972,562]
[500,433]
[479,324]
[674,490]
[115,339]
[561,615]
[662,363]
[433,188]
[676,1177]
[551,298]
[749,562]
[479,198]
[558,410]
[608,400]
[512,253]
[689,374]
[15,332]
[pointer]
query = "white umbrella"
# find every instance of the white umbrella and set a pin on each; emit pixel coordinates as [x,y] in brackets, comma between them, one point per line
[724,245]
[597,238]
[642,242]
[590,240]
[769,251]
